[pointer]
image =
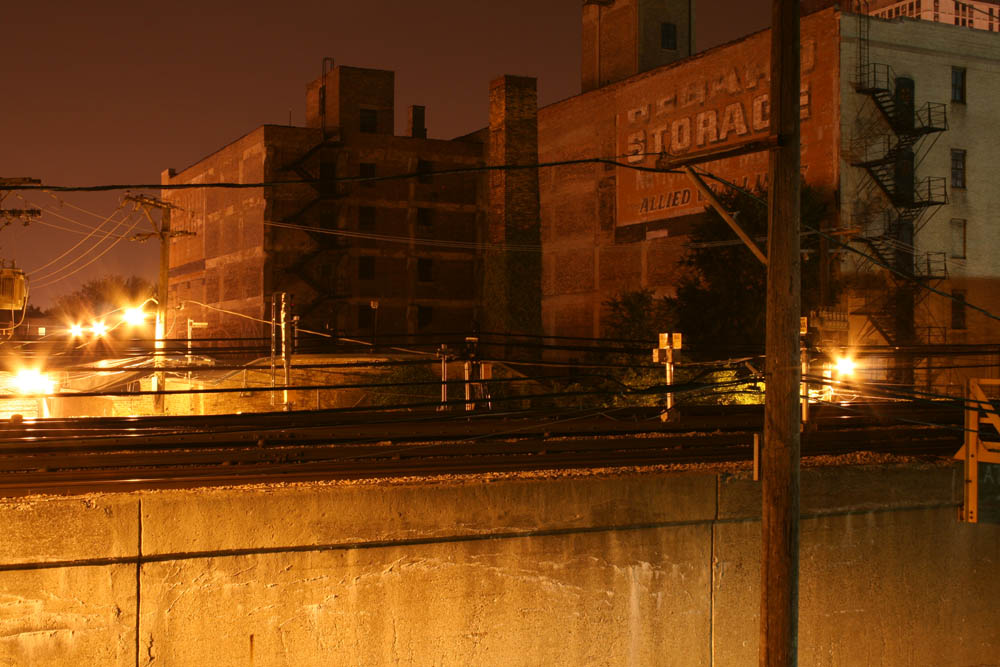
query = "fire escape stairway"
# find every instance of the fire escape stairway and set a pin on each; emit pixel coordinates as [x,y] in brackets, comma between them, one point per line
[889,161]
[319,268]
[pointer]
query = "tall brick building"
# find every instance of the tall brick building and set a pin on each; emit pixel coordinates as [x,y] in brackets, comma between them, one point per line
[352,216]
[896,131]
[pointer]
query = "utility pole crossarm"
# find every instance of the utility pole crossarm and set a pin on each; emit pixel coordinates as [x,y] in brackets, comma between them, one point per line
[724,214]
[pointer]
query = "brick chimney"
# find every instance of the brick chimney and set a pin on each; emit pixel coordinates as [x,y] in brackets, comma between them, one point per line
[417,129]
[512,294]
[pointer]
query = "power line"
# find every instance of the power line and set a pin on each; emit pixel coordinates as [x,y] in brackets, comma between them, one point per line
[345,179]
[849,248]
[118,240]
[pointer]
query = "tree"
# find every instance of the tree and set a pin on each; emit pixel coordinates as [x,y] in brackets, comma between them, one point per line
[637,316]
[720,300]
[102,295]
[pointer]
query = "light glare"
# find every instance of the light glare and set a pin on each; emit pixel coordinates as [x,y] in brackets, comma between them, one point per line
[76,330]
[98,328]
[134,316]
[31,381]
[845,367]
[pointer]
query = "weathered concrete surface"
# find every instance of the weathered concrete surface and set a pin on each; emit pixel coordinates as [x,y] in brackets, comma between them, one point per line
[68,616]
[630,568]
[211,520]
[34,530]
[596,598]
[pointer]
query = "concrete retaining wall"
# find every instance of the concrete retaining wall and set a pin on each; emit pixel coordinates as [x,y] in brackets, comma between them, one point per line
[636,569]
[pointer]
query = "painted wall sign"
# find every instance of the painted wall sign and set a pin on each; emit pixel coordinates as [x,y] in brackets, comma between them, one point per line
[713,101]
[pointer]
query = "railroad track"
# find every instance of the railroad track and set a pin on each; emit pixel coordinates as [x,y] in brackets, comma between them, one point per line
[76,455]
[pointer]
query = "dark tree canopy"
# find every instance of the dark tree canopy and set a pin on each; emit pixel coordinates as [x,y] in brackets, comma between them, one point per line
[720,300]
[102,295]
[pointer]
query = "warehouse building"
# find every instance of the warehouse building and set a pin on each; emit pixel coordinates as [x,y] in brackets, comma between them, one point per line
[896,133]
[357,224]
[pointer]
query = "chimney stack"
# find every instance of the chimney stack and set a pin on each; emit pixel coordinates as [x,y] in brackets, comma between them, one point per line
[418,130]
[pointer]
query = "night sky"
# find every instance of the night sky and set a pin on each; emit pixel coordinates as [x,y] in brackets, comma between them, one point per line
[115,92]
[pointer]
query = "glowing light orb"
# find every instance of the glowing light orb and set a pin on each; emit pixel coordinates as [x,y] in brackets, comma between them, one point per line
[99,329]
[76,331]
[845,367]
[134,316]
[31,381]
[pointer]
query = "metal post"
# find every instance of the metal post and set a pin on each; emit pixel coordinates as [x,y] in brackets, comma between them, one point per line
[468,385]
[161,309]
[286,347]
[274,343]
[443,352]
[191,326]
[804,386]
[779,588]
[670,376]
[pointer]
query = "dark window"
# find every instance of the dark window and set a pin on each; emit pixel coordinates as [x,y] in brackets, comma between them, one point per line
[424,171]
[369,121]
[957,168]
[423,218]
[367,171]
[366,218]
[366,268]
[425,315]
[668,36]
[425,270]
[958,239]
[366,316]
[957,309]
[327,178]
[958,84]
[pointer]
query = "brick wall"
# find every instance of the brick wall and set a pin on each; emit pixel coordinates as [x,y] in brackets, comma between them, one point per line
[512,280]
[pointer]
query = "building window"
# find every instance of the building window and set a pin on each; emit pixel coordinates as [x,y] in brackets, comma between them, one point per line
[366,267]
[423,219]
[367,172]
[957,309]
[424,169]
[958,239]
[366,316]
[425,270]
[366,218]
[668,36]
[425,315]
[369,121]
[327,179]
[957,168]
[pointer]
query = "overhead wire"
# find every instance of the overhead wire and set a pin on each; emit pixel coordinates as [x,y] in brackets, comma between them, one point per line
[849,248]
[93,231]
[50,280]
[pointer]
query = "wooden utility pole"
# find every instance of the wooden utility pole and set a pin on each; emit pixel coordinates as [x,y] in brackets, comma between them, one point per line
[164,233]
[780,458]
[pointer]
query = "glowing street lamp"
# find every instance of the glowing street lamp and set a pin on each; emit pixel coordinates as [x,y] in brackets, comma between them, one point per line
[134,316]
[98,328]
[76,330]
[845,367]
[32,381]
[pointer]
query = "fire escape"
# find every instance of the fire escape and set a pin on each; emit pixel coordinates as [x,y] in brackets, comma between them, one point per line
[893,204]
[322,266]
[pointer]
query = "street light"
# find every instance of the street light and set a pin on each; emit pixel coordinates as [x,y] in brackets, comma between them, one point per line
[845,367]
[98,328]
[33,381]
[134,316]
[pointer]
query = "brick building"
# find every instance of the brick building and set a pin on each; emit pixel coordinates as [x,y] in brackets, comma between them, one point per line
[352,216]
[896,131]
[976,14]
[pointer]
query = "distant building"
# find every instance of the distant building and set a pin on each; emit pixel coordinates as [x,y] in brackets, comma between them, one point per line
[897,130]
[353,221]
[970,14]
